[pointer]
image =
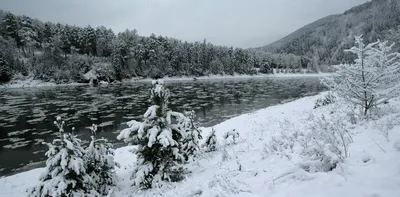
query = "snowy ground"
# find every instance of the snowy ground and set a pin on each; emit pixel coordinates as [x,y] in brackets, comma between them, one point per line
[244,169]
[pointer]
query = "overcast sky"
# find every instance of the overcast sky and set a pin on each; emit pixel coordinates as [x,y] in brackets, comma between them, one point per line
[238,23]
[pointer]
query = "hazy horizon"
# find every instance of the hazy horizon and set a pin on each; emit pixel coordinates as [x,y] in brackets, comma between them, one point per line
[226,22]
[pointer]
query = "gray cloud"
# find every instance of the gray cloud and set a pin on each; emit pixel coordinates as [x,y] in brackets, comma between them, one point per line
[238,23]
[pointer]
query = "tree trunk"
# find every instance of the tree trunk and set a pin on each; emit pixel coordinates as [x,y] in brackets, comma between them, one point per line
[363,80]
[23,50]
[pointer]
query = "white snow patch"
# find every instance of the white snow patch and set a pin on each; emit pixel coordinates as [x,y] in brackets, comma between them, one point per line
[31,83]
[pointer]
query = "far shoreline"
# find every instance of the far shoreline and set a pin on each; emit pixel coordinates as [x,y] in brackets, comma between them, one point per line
[31,83]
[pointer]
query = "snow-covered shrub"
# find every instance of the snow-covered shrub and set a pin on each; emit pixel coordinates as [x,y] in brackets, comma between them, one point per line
[231,133]
[225,155]
[100,163]
[326,145]
[190,144]
[211,142]
[372,80]
[103,71]
[385,125]
[352,116]
[78,66]
[225,185]
[327,100]
[65,171]
[158,153]
[61,76]
[283,144]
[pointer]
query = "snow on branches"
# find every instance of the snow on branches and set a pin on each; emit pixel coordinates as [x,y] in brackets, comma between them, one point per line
[100,162]
[211,142]
[373,79]
[231,133]
[190,145]
[65,171]
[327,143]
[158,150]
[73,171]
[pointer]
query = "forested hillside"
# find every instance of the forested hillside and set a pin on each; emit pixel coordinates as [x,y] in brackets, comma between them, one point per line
[324,40]
[65,53]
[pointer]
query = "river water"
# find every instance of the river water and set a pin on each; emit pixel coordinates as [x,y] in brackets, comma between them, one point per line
[27,115]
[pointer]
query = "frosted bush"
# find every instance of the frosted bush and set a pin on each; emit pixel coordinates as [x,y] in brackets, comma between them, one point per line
[385,126]
[281,146]
[373,78]
[231,134]
[326,145]
[224,186]
[327,100]
[284,143]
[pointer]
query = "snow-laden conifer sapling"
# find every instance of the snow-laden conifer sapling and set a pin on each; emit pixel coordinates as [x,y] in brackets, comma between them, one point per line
[65,171]
[211,142]
[190,145]
[158,152]
[100,163]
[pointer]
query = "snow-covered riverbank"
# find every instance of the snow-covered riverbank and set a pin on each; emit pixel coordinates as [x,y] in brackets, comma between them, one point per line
[32,83]
[245,169]
[237,76]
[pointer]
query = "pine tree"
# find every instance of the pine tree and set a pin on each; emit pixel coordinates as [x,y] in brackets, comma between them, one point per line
[104,41]
[27,34]
[5,71]
[10,25]
[65,171]
[119,58]
[211,142]
[190,144]
[158,154]
[100,163]
[47,32]
[65,44]
[90,40]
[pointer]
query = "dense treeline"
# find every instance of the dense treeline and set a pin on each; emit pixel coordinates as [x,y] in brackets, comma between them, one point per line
[325,39]
[64,53]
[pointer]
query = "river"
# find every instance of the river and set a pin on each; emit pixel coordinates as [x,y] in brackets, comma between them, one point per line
[27,115]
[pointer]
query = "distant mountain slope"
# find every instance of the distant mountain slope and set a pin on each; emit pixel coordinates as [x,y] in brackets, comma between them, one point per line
[325,39]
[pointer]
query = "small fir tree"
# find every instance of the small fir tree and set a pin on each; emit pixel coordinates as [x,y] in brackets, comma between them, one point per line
[190,145]
[158,155]
[100,163]
[65,171]
[211,142]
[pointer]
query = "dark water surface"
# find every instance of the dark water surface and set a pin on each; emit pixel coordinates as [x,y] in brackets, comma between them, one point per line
[27,115]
